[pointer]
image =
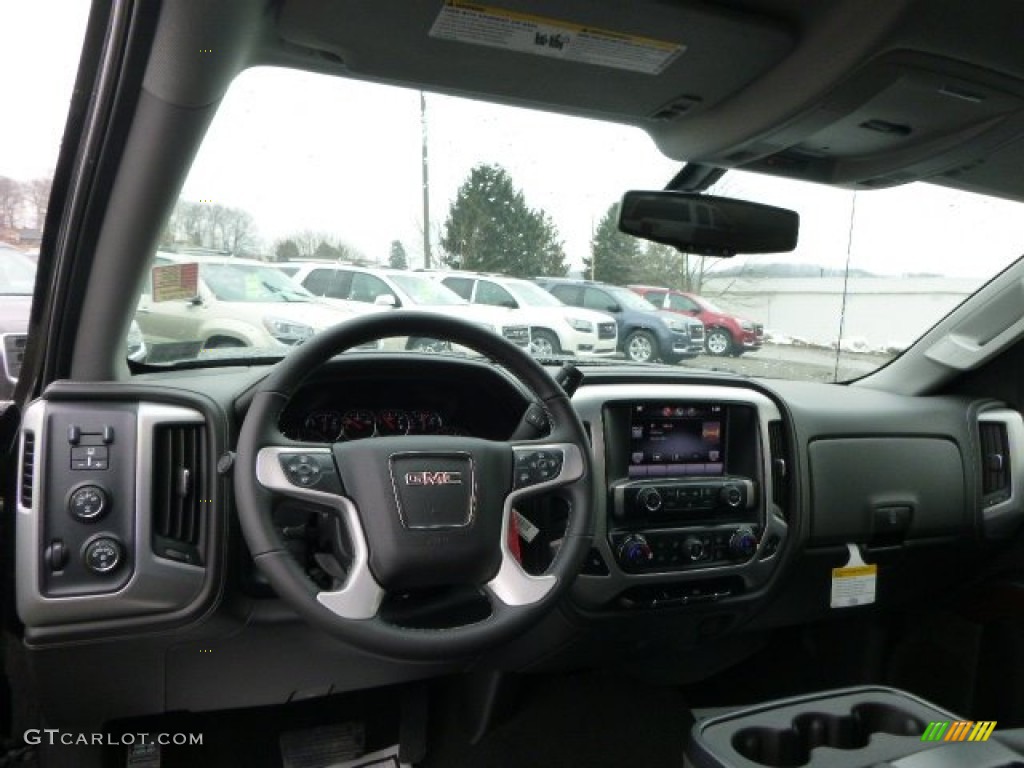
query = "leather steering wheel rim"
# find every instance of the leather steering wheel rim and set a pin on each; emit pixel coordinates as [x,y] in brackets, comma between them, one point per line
[517,603]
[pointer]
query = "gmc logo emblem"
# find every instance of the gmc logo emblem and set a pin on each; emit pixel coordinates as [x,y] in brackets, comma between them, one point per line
[433,478]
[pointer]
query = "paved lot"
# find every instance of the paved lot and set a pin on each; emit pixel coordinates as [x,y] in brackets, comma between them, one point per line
[785,362]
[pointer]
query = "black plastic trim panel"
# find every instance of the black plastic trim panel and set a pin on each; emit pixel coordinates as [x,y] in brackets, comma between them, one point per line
[211,591]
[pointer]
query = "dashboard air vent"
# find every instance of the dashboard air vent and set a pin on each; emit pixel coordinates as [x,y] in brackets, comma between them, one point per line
[780,465]
[995,461]
[180,491]
[28,469]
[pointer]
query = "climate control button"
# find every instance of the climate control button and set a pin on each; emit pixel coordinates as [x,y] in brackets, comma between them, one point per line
[695,548]
[635,552]
[743,544]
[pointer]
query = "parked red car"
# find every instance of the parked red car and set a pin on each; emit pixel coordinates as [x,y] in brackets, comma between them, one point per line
[724,334]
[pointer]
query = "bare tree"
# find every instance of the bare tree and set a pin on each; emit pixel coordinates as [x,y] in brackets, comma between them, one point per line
[239,231]
[321,245]
[11,196]
[37,193]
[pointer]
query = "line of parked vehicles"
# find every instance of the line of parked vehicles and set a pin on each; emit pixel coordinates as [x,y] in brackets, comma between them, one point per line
[236,302]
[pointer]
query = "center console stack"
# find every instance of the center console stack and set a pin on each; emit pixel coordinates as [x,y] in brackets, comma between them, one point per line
[684,484]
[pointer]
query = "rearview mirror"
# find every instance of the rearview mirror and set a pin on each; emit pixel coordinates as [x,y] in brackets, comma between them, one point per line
[385,300]
[708,225]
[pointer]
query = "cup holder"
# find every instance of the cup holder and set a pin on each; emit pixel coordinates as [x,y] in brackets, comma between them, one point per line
[790,747]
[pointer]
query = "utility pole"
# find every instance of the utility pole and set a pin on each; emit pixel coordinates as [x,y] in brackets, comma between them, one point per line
[593,256]
[426,183]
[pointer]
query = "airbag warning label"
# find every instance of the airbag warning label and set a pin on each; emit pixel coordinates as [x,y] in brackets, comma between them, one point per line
[497,28]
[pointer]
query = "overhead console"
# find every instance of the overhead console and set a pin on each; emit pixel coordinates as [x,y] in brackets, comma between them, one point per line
[692,484]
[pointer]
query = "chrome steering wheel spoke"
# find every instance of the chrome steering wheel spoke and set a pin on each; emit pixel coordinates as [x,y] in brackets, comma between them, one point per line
[284,471]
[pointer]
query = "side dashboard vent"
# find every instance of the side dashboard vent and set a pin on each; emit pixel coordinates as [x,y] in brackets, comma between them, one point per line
[28,469]
[180,491]
[780,465]
[995,462]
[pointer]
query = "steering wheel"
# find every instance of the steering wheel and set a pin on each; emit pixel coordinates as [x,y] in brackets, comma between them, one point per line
[419,511]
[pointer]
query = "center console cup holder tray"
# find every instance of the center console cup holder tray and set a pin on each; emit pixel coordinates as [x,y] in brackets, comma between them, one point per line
[848,728]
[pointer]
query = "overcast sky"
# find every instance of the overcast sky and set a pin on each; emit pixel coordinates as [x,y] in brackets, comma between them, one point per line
[302,151]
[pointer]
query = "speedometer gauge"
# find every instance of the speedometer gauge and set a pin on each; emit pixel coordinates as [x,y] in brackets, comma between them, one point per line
[357,424]
[392,422]
[322,425]
[425,422]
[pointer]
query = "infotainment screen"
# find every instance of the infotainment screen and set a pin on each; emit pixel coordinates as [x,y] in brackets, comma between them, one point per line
[676,439]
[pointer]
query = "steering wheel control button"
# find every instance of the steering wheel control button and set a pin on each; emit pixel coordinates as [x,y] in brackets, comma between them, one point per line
[311,470]
[540,466]
[536,417]
[89,457]
[88,503]
[434,490]
[103,555]
[303,470]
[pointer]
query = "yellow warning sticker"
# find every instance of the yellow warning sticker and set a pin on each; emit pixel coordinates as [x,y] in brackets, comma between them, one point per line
[478,24]
[854,585]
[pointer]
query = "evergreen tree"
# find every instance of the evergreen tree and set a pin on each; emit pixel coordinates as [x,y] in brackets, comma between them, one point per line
[614,256]
[490,228]
[397,258]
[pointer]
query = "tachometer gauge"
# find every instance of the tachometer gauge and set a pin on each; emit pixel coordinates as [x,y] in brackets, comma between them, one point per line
[425,422]
[392,422]
[356,425]
[322,425]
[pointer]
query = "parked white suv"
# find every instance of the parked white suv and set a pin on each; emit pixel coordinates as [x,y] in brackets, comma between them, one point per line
[206,302]
[555,328]
[395,288]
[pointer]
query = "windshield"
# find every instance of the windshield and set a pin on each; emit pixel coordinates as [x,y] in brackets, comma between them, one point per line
[531,295]
[245,283]
[17,273]
[710,305]
[630,300]
[422,290]
[510,192]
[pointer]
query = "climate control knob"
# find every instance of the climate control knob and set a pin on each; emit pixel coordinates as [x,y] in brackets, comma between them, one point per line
[694,548]
[635,552]
[743,544]
[732,495]
[649,499]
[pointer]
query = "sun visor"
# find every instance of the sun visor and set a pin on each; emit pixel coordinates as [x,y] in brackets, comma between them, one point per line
[906,116]
[625,61]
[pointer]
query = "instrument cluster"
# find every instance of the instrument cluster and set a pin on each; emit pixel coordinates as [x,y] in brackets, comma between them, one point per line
[332,425]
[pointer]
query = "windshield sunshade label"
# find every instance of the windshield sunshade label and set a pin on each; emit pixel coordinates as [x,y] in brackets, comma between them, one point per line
[498,28]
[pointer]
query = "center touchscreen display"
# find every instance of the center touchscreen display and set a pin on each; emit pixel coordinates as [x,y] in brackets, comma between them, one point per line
[677,439]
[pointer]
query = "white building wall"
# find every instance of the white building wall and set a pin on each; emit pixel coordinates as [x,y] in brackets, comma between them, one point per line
[881,311]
